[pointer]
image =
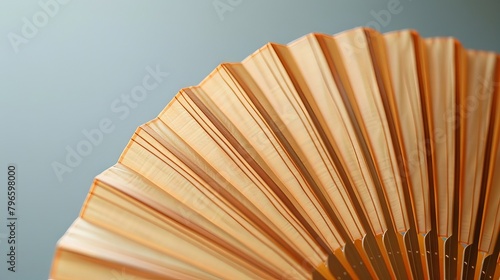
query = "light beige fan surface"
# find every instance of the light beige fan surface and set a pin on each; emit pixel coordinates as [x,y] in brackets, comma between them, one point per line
[354,156]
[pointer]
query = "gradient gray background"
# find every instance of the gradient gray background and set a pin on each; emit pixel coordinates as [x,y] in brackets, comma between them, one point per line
[65,79]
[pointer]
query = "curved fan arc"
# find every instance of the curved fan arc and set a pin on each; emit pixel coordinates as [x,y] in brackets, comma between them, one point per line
[358,155]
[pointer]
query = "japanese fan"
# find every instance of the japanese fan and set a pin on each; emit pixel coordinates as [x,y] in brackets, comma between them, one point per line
[355,156]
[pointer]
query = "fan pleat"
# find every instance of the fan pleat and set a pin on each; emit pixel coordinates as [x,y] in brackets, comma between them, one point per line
[354,156]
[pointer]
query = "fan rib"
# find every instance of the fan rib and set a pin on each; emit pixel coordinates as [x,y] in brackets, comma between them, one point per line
[343,89]
[310,180]
[355,156]
[257,168]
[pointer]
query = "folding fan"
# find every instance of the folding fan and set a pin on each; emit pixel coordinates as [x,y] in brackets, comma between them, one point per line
[355,156]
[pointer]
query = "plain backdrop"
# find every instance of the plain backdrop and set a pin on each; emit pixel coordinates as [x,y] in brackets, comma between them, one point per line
[68,66]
